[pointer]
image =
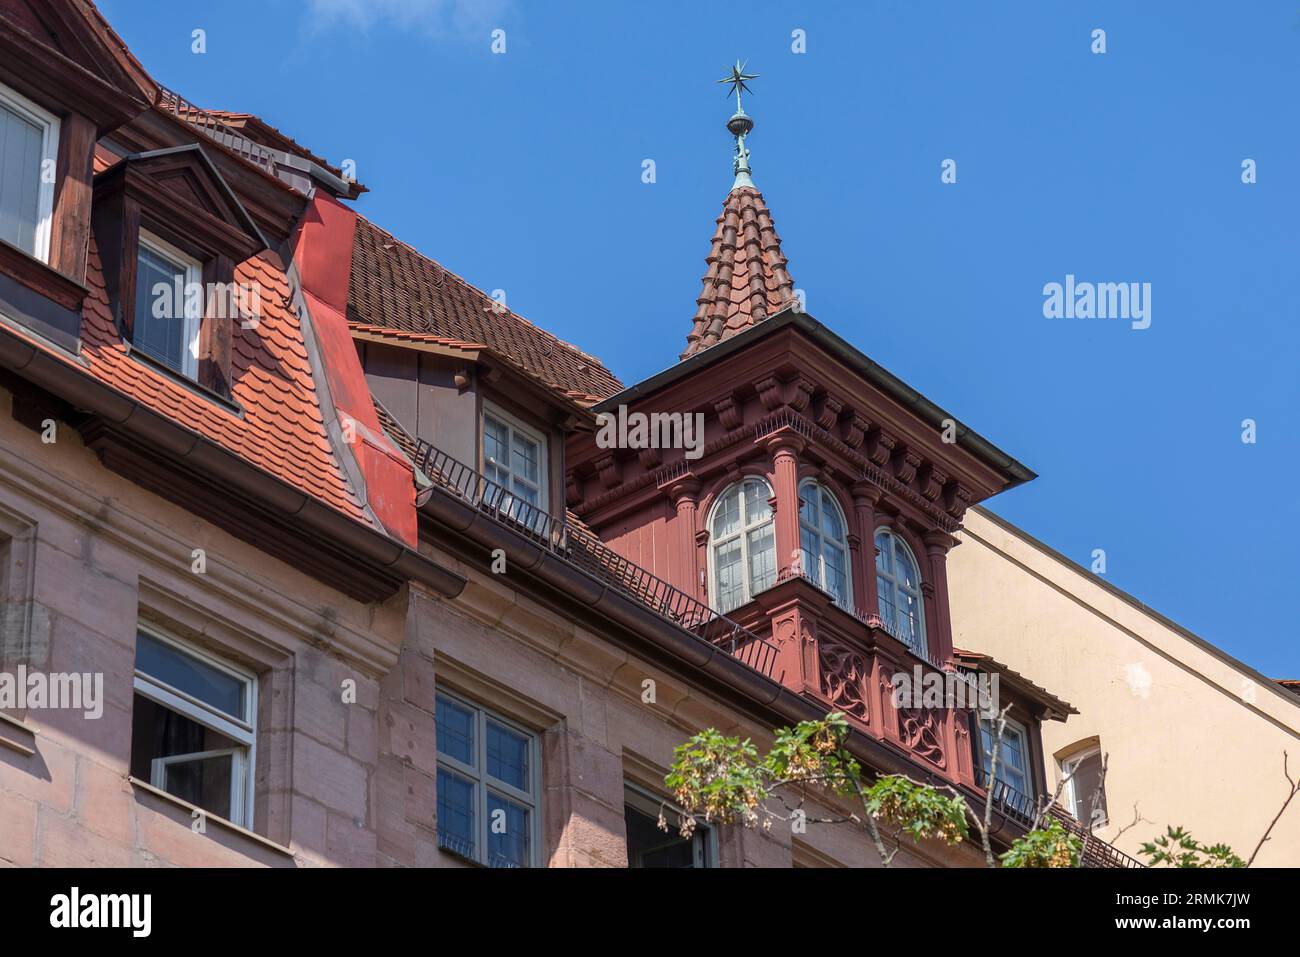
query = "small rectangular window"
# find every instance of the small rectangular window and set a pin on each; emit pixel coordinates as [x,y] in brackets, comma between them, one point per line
[487,785]
[29,138]
[168,305]
[193,728]
[650,846]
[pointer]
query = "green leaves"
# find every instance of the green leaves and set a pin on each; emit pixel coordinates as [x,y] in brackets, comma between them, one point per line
[717,778]
[1177,848]
[918,810]
[1051,846]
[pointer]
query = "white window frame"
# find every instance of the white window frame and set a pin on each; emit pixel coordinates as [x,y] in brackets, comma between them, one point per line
[746,527]
[49,124]
[1068,766]
[897,589]
[193,312]
[514,425]
[820,536]
[1019,730]
[704,841]
[242,731]
[483,782]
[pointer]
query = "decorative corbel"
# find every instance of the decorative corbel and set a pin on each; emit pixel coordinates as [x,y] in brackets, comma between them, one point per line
[879,446]
[933,480]
[611,474]
[828,410]
[769,391]
[854,429]
[729,412]
[798,392]
[906,463]
[956,499]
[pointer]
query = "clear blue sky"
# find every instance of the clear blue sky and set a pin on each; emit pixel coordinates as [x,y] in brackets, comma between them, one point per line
[522,172]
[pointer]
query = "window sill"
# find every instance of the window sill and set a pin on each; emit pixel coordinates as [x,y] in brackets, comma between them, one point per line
[222,822]
[17,736]
[184,381]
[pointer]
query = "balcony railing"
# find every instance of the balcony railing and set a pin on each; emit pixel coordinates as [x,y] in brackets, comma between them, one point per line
[1022,809]
[593,557]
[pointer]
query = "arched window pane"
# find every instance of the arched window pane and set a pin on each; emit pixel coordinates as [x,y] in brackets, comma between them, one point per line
[898,585]
[743,545]
[822,542]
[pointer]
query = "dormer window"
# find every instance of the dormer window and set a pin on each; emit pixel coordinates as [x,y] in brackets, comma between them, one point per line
[514,457]
[29,144]
[170,233]
[168,305]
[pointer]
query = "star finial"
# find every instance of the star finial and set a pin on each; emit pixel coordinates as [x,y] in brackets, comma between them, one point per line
[737,80]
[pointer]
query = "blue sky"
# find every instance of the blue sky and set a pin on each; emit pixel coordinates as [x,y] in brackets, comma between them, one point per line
[522,171]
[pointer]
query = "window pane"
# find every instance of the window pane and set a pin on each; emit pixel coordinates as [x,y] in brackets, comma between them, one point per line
[508,837]
[726,517]
[808,504]
[885,552]
[836,576]
[728,568]
[808,549]
[496,451]
[831,524]
[203,781]
[161,336]
[158,732]
[455,730]
[525,458]
[507,755]
[456,827]
[762,559]
[186,673]
[757,508]
[20,179]
[905,570]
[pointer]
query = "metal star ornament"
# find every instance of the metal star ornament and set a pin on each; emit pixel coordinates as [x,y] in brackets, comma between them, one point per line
[737,80]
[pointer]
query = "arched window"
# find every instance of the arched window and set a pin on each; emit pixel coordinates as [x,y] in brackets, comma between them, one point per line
[823,542]
[742,544]
[898,583]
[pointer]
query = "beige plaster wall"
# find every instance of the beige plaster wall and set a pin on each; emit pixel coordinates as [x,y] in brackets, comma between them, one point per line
[1194,738]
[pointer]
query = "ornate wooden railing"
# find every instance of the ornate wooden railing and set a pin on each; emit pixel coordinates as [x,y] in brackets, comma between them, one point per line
[590,555]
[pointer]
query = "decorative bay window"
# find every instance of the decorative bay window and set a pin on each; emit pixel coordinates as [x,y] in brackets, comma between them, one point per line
[742,546]
[823,542]
[170,233]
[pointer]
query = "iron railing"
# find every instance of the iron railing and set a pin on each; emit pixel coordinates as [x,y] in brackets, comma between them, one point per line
[590,555]
[216,129]
[1022,809]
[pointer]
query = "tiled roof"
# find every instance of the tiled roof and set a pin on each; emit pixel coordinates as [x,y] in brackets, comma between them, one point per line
[747,279]
[395,287]
[281,430]
[403,439]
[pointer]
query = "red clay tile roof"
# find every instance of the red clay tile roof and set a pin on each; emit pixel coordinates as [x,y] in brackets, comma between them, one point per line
[281,431]
[1290,684]
[747,279]
[394,287]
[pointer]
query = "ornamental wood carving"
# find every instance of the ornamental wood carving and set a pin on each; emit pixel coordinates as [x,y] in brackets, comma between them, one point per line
[921,732]
[844,674]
